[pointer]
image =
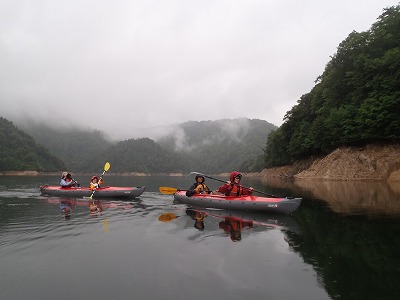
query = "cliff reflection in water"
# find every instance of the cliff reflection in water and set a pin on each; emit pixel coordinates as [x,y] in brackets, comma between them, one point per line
[348,197]
[355,249]
[355,258]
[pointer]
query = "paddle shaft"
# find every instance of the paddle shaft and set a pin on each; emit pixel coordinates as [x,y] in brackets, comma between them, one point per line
[106,168]
[101,177]
[210,177]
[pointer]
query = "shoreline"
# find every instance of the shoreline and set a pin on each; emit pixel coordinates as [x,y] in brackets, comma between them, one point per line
[374,162]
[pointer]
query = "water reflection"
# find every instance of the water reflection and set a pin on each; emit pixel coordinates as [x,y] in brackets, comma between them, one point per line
[348,197]
[326,250]
[66,207]
[95,207]
[369,198]
[234,226]
[198,217]
[233,223]
[350,254]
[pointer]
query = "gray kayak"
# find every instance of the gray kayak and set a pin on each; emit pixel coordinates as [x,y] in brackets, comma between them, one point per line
[104,192]
[247,203]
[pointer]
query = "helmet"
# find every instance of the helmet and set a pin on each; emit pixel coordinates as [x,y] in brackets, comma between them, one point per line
[93,177]
[200,176]
[235,174]
[64,174]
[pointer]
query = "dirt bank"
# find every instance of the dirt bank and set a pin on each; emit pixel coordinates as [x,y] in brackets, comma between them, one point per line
[369,163]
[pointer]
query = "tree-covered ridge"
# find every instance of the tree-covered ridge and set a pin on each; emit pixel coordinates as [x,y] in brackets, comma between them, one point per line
[143,155]
[222,145]
[20,152]
[207,146]
[79,148]
[355,101]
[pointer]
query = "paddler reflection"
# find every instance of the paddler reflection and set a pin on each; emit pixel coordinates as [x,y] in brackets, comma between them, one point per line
[95,208]
[233,226]
[66,207]
[198,217]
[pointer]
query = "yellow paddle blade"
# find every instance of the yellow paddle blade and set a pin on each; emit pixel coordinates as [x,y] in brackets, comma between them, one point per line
[166,217]
[107,166]
[168,190]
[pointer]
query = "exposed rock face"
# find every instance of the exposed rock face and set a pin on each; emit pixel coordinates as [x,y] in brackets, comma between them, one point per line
[287,172]
[369,163]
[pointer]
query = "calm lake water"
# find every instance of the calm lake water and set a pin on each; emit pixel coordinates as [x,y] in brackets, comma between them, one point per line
[342,243]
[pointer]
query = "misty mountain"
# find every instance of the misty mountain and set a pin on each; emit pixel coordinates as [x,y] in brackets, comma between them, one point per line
[79,148]
[206,146]
[143,155]
[222,145]
[20,152]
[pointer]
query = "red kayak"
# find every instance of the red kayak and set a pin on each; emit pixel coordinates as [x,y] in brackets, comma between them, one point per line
[247,203]
[104,192]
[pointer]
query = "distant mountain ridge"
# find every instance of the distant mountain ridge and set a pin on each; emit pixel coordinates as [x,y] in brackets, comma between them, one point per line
[222,145]
[206,146]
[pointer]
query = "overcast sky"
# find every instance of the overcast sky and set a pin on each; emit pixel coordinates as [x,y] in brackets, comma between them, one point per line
[120,66]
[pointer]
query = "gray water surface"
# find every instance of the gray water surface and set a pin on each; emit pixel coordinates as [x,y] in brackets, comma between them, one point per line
[153,248]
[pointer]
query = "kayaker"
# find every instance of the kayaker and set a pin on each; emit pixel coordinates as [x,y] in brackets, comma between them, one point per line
[199,187]
[233,187]
[95,183]
[67,181]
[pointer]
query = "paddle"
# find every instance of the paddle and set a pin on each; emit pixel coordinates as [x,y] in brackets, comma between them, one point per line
[166,217]
[167,190]
[197,173]
[75,182]
[106,168]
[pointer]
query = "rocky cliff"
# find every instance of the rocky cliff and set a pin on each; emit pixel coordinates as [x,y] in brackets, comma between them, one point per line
[368,163]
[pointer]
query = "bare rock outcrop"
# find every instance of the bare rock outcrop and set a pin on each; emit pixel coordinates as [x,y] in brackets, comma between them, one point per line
[368,163]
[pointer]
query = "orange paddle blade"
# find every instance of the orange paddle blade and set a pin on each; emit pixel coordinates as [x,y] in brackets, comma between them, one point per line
[168,190]
[166,217]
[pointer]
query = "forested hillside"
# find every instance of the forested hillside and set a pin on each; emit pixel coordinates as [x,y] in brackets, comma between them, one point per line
[143,155]
[20,152]
[355,101]
[80,149]
[222,145]
[207,146]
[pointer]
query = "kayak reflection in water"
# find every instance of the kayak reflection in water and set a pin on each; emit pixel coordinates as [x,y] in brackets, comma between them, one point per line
[198,217]
[233,226]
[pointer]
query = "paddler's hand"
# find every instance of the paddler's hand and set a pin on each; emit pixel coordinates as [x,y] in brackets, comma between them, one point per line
[228,182]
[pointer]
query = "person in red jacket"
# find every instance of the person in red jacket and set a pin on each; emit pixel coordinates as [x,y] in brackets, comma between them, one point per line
[233,186]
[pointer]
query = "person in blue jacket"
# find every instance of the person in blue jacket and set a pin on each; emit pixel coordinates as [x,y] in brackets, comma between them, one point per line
[67,181]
